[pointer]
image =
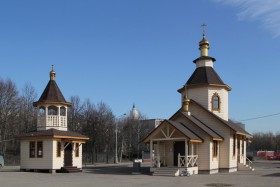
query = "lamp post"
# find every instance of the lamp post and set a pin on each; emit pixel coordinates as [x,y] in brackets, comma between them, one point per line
[116,134]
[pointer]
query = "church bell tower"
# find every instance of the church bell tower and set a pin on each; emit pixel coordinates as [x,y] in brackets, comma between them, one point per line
[205,86]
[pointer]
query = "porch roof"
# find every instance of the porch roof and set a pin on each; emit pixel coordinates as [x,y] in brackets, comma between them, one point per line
[179,127]
[53,133]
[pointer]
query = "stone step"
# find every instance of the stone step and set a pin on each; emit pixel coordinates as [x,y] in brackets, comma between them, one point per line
[70,169]
[242,167]
[165,171]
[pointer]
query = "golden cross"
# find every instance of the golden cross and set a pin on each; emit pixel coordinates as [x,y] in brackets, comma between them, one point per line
[203,29]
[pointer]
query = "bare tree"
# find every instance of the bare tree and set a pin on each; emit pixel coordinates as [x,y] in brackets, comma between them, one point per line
[75,115]
[8,113]
[27,113]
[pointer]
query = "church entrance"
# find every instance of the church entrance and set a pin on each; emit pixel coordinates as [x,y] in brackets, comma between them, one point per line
[68,160]
[179,147]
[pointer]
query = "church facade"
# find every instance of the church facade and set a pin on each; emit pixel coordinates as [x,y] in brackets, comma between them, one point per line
[52,146]
[200,137]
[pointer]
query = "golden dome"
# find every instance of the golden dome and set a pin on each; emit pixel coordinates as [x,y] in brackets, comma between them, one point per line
[52,74]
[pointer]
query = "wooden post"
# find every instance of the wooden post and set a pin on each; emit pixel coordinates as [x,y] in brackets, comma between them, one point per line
[192,148]
[179,165]
[151,152]
[158,155]
[186,153]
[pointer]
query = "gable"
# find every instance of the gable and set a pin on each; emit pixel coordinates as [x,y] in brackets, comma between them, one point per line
[171,130]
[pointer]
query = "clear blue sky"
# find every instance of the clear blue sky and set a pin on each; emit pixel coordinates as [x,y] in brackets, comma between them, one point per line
[141,51]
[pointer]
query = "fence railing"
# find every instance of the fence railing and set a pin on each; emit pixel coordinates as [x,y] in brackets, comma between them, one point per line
[187,161]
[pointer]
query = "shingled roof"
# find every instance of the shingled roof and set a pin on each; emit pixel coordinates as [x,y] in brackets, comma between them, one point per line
[205,75]
[52,94]
[234,126]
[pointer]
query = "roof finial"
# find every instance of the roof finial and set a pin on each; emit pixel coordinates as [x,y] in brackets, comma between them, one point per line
[52,74]
[203,44]
[203,30]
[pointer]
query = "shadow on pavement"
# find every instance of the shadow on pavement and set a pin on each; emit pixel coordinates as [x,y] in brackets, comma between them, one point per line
[116,170]
[272,175]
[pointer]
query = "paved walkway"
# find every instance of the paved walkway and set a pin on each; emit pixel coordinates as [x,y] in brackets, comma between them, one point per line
[100,175]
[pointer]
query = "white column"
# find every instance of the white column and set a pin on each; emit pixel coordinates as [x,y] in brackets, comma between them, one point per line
[158,155]
[47,115]
[151,152]
[186,148]
[192,148]
[59,120]
[186,153]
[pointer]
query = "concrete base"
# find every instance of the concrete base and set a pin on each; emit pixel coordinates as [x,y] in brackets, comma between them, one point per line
[213,171]
[227,170]
[192,170]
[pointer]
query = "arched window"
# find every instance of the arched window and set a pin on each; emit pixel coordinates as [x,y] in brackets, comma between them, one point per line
[63,111]
[42,111]
[216,102]
[52,110]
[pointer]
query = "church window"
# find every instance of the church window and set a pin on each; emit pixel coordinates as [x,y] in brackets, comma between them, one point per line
[58,149]
[215,102]
[32,149]
[77,150]
[39,149]
[215,149]
[234,145]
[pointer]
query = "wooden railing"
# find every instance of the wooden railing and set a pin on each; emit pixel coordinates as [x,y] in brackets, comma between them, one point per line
[52,121]
[158,161]
[189,161]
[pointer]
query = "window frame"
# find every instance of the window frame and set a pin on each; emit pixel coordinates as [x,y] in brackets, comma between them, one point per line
[77,150]
[215,102]
[32,147]
[40,148]
[58,149]
[234,146]
[215,149]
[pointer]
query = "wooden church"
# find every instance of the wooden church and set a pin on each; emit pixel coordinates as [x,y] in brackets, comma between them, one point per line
[52,147]
[199,137]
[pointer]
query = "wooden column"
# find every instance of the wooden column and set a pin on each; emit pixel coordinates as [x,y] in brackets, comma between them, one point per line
[151,152]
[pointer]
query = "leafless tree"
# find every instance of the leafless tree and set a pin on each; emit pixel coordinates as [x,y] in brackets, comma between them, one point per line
[9,110]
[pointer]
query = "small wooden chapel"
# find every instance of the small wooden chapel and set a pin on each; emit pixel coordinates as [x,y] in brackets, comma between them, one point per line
[52,147]
[199,137]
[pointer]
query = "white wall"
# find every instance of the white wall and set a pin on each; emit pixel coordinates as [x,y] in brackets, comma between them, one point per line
[77,161]
[36,163]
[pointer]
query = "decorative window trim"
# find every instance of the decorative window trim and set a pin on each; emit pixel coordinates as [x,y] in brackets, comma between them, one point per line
[32,149]
[77,150]
[234,146]
[58,149]
[215,149]
[40,149]
[36,149]
[213,102]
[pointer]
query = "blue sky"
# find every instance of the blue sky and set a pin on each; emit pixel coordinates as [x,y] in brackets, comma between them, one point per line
[141,51]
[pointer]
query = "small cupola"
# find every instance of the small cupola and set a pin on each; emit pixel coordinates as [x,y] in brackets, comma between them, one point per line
[204,45]
[52,107]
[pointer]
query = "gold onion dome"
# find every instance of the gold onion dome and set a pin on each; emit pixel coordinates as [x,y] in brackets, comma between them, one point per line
[52,74]
[204,44]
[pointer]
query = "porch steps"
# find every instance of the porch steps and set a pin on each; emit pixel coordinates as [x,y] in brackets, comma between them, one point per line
[166,171]
[242,167]
[69,169]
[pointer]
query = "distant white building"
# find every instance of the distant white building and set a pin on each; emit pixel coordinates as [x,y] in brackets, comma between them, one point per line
[51,147]
[134,113]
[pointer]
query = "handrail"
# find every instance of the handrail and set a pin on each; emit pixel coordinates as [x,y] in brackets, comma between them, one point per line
[250,162]
[187,161]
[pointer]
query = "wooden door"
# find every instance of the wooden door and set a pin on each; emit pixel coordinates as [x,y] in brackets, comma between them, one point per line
[68,155]
[179,147]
